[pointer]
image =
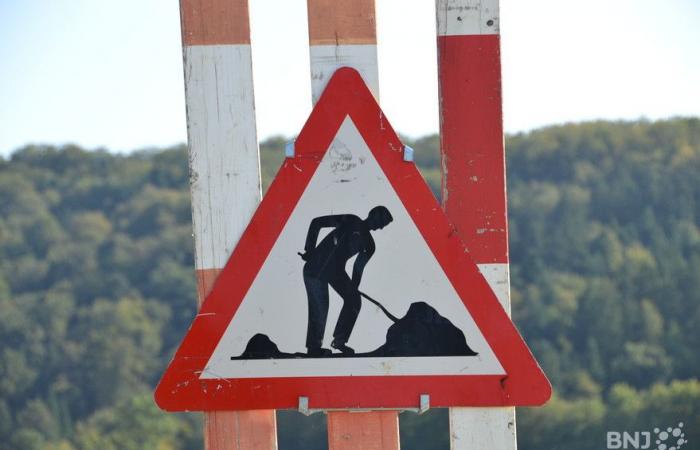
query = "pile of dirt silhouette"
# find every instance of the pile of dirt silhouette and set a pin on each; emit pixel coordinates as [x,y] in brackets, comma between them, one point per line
[421,332]
[261,346]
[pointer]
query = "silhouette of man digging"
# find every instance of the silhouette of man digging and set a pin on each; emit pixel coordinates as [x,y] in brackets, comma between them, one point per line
[325,265]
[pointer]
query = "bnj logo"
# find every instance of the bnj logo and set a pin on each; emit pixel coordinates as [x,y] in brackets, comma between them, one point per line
[671,438]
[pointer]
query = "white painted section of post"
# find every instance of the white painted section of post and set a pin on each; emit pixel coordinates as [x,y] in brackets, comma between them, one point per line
[482,428]
[498,277]
[224,159]
[467,17]
[326,59]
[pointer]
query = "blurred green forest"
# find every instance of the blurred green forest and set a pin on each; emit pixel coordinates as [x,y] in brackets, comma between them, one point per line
[97,288]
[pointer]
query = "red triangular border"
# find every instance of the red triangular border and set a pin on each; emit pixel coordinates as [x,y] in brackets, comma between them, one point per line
[180,389]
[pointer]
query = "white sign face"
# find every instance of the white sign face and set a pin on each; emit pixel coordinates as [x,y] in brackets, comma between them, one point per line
[286,303]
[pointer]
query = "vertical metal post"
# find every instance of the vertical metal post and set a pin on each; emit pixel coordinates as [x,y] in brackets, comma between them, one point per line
[473,177]
[224,170]
[343,33]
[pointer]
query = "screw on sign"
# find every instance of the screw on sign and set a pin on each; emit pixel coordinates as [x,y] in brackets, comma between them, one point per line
[347,218]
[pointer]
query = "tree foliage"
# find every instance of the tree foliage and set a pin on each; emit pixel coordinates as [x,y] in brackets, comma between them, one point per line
[96,288]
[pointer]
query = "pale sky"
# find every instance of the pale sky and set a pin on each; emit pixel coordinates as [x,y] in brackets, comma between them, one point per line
[108,73]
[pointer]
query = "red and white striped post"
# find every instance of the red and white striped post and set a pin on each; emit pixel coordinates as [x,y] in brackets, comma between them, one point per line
[343,33]
[224,171]
[473,178]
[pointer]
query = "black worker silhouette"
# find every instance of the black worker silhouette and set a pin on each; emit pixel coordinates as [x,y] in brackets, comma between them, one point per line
[422,331]
[325,265]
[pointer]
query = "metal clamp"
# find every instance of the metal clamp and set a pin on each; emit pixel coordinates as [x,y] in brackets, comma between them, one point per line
[304,406]
[424,403]
[289,149]
[423,407]
[407,153]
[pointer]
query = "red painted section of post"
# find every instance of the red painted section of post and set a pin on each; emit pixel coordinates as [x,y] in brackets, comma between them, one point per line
[375,430]
[471,137]
[240,430]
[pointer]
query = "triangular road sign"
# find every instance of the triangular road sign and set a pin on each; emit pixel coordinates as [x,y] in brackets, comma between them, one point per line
[351,288]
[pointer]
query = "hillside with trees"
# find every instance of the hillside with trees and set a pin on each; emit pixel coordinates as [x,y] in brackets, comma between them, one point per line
[97,288]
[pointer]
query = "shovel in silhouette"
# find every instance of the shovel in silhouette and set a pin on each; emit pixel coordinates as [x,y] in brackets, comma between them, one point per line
[391,317]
